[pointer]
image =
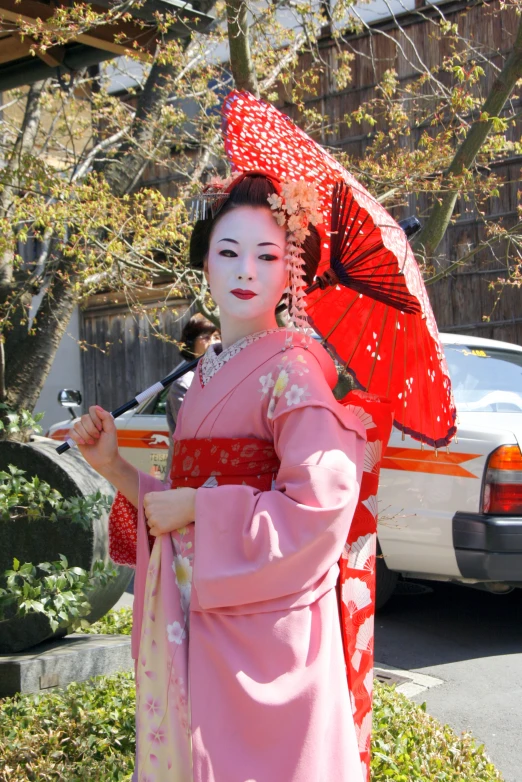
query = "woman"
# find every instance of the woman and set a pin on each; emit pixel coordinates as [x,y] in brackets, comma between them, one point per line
[239,660]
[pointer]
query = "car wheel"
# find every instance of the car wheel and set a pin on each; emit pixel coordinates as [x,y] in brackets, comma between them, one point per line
[386,580]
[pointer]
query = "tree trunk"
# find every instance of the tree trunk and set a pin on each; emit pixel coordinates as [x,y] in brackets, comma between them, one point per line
[241,63]
[27,367]
[429,238]
[12,339]
[30,360]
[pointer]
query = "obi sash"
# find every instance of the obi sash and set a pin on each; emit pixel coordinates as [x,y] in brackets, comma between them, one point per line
[217,461]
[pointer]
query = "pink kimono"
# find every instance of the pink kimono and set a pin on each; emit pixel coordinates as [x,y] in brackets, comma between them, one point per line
[240,667]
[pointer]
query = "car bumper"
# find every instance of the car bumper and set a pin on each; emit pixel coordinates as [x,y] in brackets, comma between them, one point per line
[488,548]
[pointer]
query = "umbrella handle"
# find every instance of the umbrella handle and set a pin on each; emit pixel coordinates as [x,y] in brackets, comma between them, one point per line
[139,398]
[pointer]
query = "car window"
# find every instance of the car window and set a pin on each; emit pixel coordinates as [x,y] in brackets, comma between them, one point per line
[155,406]
[485,379]
[160,402]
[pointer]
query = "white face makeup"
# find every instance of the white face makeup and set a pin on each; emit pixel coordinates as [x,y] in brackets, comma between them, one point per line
[246,254]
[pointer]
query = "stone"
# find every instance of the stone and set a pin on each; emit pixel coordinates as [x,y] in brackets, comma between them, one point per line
[40,540]
[57,663]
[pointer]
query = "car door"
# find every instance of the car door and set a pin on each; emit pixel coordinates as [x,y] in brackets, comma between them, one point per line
[143,438]
[420,490]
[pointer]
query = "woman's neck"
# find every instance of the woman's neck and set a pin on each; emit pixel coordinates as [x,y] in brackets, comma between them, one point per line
[232,329]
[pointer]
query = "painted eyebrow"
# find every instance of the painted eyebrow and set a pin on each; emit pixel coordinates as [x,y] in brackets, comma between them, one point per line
[261,244]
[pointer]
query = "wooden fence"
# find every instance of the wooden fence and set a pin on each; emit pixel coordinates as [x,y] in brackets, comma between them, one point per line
[123,354]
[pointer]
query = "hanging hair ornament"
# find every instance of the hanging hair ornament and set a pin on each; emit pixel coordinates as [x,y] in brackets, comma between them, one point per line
[206,204]
[296,206]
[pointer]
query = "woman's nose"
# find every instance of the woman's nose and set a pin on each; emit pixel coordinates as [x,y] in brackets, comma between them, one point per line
[246,266]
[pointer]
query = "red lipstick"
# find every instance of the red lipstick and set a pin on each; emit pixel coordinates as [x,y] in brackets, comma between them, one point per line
[243,294]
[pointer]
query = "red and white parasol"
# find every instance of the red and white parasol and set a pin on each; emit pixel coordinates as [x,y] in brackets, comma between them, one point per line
[376,316]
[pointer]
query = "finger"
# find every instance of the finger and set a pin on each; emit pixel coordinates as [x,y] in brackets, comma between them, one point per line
[85,436]
[89,426]
[73,434]
[95,417]
[106,419]
[150,498]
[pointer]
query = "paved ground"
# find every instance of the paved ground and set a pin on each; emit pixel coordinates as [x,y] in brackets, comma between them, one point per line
[472,641]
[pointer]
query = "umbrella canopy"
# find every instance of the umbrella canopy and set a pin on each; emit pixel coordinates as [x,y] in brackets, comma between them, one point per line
[376,316]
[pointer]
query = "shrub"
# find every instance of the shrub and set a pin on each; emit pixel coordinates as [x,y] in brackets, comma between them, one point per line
[21,497]
[113,623]
[85,732]
[54,589]
[410,746]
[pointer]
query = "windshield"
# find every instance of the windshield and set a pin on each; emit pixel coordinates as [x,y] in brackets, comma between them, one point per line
[485,380]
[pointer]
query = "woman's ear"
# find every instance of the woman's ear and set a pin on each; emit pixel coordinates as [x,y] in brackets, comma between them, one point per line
[205,269]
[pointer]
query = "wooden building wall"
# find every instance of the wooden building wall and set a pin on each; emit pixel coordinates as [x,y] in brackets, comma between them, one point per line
[461,300]
[123,356]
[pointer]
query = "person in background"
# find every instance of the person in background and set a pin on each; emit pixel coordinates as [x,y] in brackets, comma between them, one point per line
[196,337]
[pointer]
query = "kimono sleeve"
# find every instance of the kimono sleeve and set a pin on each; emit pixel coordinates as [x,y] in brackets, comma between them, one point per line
[123,528]
[254,546]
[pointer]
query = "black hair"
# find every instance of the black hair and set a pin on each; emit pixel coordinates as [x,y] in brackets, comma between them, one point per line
[194,328]
[252,190]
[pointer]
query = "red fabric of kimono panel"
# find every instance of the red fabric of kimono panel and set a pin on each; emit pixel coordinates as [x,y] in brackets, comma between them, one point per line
[357,568]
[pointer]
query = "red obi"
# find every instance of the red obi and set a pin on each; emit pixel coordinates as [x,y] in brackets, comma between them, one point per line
[214,460]
[197,462]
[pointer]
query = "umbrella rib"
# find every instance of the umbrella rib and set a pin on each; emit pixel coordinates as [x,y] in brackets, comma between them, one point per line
[345,313]
[392,300]
[376,357]
[339,220]
[370,313]
[394,344]
[358,259]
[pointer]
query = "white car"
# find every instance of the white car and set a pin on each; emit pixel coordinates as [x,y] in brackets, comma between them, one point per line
[454,515]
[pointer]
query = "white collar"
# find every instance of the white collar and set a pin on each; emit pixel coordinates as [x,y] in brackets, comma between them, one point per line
[212,361]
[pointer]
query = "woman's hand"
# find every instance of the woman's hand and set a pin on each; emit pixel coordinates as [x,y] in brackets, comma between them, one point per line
[167,511]
[96,437]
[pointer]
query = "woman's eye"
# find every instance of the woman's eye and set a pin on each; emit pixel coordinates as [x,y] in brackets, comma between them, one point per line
[228,253]
[268,257]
